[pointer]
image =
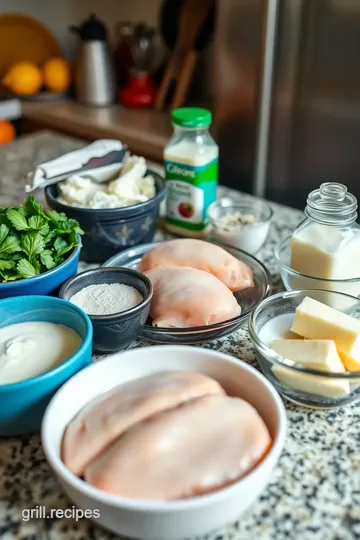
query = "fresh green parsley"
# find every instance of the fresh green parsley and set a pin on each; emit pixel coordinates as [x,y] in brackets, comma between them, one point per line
[34,240]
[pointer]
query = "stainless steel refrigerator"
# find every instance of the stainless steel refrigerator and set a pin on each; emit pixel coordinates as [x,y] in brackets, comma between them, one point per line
[287,86]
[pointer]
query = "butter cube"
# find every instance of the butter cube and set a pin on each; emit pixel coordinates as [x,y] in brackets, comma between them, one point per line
[291,335]
[311,384]
[351,364]
[318,354]
[314,320]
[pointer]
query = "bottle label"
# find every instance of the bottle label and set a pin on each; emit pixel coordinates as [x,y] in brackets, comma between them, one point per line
[189,192]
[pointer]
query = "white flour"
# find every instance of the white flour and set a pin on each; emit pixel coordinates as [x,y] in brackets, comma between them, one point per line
[106,298]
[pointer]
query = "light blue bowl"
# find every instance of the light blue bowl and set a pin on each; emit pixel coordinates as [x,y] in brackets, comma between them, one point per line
[23,404]
[46,283]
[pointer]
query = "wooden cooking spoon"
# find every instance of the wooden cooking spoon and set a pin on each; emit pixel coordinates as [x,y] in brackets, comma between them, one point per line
[193,16]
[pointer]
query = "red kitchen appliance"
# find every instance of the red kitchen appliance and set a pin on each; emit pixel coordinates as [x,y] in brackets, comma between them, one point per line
[140,90]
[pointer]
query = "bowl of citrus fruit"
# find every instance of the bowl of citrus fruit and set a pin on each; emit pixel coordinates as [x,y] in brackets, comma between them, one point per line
[30,81]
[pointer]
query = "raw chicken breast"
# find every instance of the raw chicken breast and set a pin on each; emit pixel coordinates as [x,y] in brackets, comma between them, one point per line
[213,259]
[107,417]
[186,297]
[201,446]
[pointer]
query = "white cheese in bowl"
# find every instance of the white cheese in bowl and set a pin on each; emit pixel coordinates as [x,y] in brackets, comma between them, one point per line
[130,188]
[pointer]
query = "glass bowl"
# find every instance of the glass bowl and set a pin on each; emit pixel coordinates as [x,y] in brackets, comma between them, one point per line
[248,299]
[294,280]
[323,390]
[250,237]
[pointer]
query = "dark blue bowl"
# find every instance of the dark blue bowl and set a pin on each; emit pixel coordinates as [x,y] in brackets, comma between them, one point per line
[109,231]
[118,331]
[23,403]
[46,283]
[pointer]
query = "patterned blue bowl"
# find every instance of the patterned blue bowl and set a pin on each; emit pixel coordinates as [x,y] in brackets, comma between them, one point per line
[46,283]
[24,403]
[108,231]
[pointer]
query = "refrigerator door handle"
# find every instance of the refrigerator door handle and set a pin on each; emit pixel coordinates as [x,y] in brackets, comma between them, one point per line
[268,51]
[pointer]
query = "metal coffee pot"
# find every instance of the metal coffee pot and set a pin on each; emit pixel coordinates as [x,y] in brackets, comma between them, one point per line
[94,76]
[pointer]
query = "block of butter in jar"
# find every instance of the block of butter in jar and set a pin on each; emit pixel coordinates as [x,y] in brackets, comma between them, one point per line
[326,244]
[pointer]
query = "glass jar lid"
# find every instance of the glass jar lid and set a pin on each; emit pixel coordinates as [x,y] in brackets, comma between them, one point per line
[332,204]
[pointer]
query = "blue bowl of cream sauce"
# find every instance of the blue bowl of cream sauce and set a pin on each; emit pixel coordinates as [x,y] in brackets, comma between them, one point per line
[43,342]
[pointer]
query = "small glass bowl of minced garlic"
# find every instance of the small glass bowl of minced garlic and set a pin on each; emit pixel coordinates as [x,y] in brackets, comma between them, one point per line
[241,225]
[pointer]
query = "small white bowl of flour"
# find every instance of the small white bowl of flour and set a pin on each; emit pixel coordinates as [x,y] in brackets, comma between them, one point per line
[241,225]
[117,301]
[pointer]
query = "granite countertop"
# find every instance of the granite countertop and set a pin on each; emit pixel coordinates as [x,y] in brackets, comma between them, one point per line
[314,493]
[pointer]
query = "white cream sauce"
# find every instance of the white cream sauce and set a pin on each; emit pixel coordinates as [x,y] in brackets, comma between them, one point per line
[32,348]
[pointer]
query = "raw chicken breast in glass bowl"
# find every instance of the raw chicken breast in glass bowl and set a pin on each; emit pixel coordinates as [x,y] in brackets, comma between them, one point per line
[200,255]
[187,297]
[247,299]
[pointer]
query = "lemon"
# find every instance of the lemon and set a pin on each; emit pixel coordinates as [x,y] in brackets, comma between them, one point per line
[23,79]
[57,76]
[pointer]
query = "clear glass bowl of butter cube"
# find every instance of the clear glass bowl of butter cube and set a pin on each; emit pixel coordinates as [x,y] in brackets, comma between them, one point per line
[319,365]
[324,251]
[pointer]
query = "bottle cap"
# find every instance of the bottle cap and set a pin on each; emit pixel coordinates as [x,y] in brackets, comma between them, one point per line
[191,117]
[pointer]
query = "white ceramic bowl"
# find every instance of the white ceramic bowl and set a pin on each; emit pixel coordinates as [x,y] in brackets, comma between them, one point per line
[170,520]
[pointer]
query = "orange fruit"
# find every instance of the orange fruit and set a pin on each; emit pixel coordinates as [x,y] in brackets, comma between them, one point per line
[23,79]
[7,132]
[57,75]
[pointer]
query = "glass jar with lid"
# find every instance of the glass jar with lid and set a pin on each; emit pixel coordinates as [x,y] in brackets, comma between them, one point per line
[326,244]
[191,172]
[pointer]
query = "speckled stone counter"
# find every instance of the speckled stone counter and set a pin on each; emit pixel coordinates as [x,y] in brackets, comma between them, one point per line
[314,493]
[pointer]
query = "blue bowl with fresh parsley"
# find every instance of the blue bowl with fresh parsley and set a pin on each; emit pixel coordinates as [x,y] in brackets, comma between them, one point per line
[39,249]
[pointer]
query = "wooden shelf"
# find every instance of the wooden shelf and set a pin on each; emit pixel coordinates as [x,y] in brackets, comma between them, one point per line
[145,132]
